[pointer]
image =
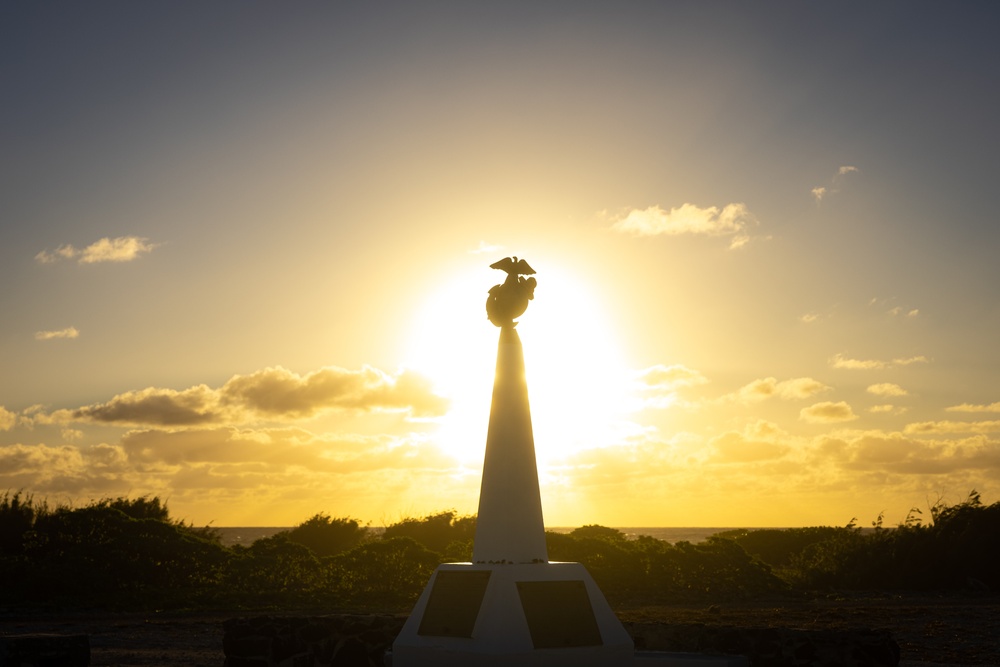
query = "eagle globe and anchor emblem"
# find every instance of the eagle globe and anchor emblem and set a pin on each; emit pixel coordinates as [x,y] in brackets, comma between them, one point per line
[510,298]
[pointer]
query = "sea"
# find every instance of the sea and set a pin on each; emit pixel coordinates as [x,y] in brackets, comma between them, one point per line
[247,536]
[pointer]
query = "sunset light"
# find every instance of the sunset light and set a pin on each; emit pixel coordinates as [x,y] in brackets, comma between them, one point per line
[246,254]
[579,383]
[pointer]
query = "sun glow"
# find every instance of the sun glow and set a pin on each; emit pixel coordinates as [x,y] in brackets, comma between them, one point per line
[577,383]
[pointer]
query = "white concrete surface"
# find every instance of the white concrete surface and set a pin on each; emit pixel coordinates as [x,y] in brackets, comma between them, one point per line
[509,527]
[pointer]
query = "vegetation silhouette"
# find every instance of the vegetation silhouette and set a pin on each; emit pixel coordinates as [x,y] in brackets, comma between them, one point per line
[128,553]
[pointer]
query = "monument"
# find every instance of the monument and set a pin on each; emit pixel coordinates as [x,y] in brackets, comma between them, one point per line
[511,605]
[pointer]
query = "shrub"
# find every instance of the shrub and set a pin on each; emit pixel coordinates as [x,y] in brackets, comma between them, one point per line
[275,568]
[389,570]
[435,531]
[17,516]
[326,536]
[102,555]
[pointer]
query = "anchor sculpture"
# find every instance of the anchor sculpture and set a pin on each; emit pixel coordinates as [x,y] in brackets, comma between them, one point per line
[510,298]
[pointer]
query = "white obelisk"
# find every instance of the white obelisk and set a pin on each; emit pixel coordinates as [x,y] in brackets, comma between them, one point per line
[509,527]
[511,606]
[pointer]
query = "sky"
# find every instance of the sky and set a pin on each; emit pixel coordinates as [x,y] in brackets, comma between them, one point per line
[245,252]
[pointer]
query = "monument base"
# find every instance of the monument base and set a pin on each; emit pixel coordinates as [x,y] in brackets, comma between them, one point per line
[493,615]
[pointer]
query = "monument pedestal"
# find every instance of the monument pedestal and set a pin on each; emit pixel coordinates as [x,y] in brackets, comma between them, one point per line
[498,615]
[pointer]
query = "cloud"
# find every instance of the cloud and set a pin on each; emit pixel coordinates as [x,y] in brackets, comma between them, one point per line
[898,311]
[661,383]
[888,409]
[732,220]
[759,390]
[119,249]
[69,332]
[278,392]
[247,466]
[280,449]
[887,389]
[897,453]
[936,427]
[968,407]
[8,419]
[827,412]
[839,361]
[759,441]
[20,458]
[485,247]
[670,377]
[272,394]
[820,192]
[161,407]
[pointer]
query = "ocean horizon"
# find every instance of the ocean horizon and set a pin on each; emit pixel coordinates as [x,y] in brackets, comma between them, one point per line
[248,535]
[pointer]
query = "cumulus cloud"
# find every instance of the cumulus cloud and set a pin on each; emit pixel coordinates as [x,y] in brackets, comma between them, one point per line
[162,407]
[887,389]
[7,419]
[670,377]
[660,384]
[760,441]
[68,332]
[839,361]
[19,458]
[888,409]
[731,220]
[968,407]
[119,249]
[836,183]
[278,392]
[485,247]
[272,394]
[935,427]
[897,453]
[243,464]
[795,388]
[279,449]
[827,412]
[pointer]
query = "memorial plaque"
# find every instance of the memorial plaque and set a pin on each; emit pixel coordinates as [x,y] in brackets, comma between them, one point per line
[559,614]
[453,605]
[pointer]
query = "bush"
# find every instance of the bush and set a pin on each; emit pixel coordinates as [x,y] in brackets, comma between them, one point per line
[437,532]
[778,547]
[101,555]
[17,517]
[275,569]
[125,552]
[390,570]
[652,570]
[959,549]
[326,536]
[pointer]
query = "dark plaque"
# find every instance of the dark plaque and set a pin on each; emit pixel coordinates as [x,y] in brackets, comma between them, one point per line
[454,602]
[559,614]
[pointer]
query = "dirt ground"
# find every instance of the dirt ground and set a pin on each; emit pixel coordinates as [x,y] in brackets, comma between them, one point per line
[930,630]
[947,630]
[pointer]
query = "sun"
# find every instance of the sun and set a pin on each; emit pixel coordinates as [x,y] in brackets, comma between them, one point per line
[578,385]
